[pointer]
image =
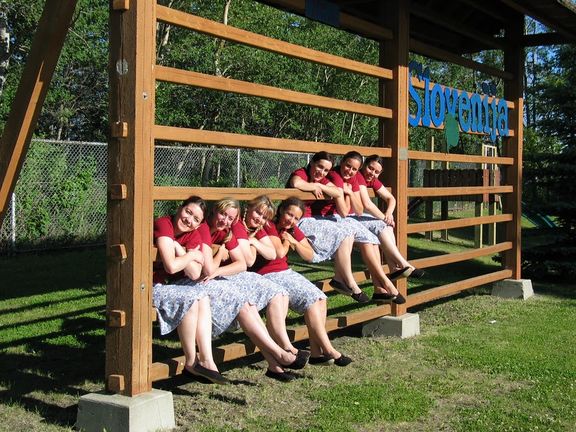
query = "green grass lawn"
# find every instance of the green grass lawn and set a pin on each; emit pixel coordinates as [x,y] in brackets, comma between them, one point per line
[479,364]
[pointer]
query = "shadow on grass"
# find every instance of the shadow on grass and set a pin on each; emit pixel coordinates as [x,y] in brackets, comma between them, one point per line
[47,367]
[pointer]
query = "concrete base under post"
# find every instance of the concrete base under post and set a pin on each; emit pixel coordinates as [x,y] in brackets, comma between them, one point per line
[146,412]
[513,288]
[403,326]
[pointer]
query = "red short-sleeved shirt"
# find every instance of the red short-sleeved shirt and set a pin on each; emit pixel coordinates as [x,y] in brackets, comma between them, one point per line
[240,232]
[263,266]
[335,176]
[316,207]
[375,184]
[217,238]
[164,227]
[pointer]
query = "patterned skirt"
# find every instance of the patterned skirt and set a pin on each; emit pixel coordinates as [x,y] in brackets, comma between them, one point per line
[301,291]
[257,290]
[325,235]
[360,232]
[173,301]
[226,300]
[374,225]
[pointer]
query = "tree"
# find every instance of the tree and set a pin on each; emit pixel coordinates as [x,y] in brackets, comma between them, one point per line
[550,176]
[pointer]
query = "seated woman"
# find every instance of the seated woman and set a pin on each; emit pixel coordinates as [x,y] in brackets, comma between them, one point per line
[328,238]
[228,264]
[305,297]
[181,301]
[382,223]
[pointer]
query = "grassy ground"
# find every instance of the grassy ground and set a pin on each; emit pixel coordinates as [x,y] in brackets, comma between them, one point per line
[480,363]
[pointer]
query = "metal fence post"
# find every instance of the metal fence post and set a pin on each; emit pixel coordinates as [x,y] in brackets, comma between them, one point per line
[13,221]
[237,167]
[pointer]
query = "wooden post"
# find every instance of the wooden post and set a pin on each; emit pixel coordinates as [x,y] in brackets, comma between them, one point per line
[394,132]
[130,212]
[512,147]
[40,65]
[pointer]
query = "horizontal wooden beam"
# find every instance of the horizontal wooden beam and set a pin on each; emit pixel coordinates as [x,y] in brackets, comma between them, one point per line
[233,34]
[456,287]
[450,258]
[172,193]
[455,191]
[439,19]
[227,139]
[346,21]
[457,223]
[212,82]
[452,157]
[443,55]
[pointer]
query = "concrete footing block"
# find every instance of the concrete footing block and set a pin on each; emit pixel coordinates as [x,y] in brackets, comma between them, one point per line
[403,326]
[146,412]
[513,288]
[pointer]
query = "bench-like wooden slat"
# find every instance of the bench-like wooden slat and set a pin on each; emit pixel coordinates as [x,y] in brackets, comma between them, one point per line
[173,193]
[457,223]
[174,366]
[234,34]
[228,139]
[198,79]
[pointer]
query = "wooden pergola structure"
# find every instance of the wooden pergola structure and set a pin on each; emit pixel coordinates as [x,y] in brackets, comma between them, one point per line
[443,30]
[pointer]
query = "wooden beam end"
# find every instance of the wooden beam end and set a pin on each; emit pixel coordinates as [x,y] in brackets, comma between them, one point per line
[116,318]
[119,130]
[118,191]
[115,383]
[121,5]
[118,251]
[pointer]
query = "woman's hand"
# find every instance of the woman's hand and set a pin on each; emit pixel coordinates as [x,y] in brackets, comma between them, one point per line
[347,188]
[317,191]
[389,219]
[289,238]
[196,255]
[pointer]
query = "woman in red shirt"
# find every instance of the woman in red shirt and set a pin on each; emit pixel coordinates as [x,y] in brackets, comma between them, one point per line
[183,303]
[228,263]
[305,298]
[382,223]
[328,238]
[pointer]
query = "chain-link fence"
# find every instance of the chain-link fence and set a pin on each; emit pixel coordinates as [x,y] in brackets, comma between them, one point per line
[60,196]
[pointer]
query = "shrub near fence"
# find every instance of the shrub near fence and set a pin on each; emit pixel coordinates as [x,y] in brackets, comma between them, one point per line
[60,196]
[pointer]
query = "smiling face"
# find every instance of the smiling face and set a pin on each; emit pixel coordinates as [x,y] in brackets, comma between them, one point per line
[223,220]
[290,217]
[256,217]
[319,169]
[372,171]
[188,218]
[349,167]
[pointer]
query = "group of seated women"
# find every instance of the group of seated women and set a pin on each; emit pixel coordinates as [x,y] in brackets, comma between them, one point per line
[217,270]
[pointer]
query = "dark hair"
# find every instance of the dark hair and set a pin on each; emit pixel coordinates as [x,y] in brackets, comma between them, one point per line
[352,155]
[321,155]
[373,158]
[194,199]
[290,201]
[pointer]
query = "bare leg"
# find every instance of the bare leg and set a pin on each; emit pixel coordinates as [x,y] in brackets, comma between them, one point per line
[254,328]
[343,265]
[393,257]
[371,257]
[187,335]
[276,322]
[315,317]
[204,334]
